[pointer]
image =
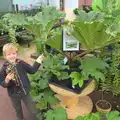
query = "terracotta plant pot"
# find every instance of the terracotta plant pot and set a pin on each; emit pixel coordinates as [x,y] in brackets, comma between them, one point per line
[103,106]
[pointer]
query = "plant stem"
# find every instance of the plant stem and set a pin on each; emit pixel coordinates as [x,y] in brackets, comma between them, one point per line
[60,24]
[70,60]
[82,54]
[102,95]
[63,54]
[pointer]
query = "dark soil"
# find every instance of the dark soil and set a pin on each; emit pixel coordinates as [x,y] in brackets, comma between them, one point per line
[67,84]
[113,100]
[103,105]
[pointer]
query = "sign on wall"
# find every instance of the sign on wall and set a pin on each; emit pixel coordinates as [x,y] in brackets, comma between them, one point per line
[69,42]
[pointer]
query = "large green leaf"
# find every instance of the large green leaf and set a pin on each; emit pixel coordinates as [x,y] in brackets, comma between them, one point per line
[91,116]
[55,42]
[78,78]
[43,83]
[56,114]
[92,66]
[49,14]
[50,98]
[89,17]
[50,115]
[35,29]
[42,104]
[92,63]
[54,65]
[114,115]
[17,19]
[41,25]
[92,35]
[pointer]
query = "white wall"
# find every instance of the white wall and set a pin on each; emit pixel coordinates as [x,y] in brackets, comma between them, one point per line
[70,5]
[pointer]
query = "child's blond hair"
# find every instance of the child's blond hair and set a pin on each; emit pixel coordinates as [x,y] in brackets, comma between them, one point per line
[8,48]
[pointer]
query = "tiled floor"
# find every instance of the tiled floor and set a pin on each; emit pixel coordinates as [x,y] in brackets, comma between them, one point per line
[6,110]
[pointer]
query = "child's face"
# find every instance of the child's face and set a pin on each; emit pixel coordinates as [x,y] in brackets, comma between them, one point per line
[11,56]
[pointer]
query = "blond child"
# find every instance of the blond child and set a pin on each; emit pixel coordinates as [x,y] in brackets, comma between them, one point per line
[13,75]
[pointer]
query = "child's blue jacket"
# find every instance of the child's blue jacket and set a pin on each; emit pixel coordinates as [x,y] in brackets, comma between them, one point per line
[23,69]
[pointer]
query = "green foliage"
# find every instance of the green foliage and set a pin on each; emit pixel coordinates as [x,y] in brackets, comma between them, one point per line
[96,37]
[89,17]
[55,40]
[78,78]
[99,32]
[111,8]
[40,25]
[1,25]
[91,67]
[112,75]
[56,114]
[39,116]
[14,32]
[114,29]
[54,66]
[113,5]
[5,25]
[105,5]
[40,90]
[114,115]
[46,98]
[12,35]
[92,116]
[49,16]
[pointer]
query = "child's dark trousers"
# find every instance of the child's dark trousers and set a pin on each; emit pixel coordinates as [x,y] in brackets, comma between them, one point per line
[16,101]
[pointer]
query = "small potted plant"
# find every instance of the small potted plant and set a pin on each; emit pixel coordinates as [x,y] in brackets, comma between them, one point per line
[103,106]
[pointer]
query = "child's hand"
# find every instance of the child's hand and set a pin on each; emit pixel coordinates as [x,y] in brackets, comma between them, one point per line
[9,77]
[40,58]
